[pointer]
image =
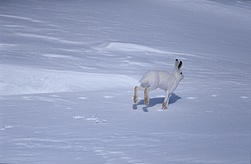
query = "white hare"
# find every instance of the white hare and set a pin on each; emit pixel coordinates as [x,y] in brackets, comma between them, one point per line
[152,80]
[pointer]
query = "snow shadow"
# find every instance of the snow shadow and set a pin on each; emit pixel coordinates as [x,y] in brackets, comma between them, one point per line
[155,101]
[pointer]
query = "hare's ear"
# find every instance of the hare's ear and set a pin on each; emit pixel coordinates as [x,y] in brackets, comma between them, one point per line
[176,64]
[180,65]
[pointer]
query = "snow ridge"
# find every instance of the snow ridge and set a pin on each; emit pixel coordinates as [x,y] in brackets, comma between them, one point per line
[23,80]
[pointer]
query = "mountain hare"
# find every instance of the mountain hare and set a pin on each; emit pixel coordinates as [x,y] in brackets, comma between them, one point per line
[152,80]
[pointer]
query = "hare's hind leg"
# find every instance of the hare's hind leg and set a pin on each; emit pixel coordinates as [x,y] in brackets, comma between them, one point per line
[146,97]
[135,97]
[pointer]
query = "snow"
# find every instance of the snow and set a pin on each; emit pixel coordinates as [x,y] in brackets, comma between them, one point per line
[68,69]
[19,80]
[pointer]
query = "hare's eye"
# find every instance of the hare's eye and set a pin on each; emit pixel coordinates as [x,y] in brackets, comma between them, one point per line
[181,73]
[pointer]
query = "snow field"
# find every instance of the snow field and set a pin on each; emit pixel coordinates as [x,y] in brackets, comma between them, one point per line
[67,73]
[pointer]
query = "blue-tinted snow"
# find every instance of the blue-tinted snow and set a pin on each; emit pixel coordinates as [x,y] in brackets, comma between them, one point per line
[68,68]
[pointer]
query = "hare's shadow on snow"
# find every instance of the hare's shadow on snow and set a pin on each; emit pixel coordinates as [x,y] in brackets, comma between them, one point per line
[155,101]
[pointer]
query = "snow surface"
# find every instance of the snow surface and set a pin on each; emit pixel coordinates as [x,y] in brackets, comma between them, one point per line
[68,68]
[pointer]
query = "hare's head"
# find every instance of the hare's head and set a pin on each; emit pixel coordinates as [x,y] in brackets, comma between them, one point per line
[177,70]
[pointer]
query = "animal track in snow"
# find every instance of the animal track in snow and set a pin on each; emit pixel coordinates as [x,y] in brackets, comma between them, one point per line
[92,118]
[78,117]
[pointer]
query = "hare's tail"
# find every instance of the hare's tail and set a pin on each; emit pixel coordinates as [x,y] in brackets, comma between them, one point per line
[144,83]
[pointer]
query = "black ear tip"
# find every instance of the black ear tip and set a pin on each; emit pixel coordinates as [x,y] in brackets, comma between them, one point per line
[180,64]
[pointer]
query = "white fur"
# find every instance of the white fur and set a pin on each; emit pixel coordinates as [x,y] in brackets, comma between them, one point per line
[152,80]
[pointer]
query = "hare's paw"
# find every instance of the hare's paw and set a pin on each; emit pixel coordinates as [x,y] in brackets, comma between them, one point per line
[164,106]
[146,100]
[135,99]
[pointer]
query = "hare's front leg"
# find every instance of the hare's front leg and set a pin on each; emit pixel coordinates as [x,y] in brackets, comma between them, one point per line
[146,97]
[135,97]
[166,100]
